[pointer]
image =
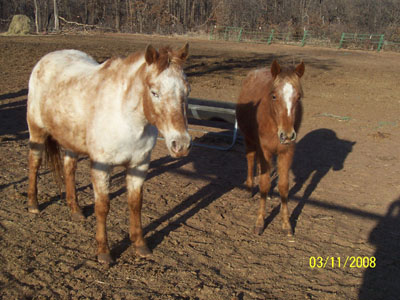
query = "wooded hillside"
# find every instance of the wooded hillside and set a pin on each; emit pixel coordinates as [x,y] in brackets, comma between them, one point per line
[181,16]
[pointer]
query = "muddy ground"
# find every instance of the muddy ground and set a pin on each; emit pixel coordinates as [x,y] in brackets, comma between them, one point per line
[198,219]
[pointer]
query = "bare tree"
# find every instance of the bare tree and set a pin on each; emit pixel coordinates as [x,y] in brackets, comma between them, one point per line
[169,16]
[56,21]
[37,16]
[117,5]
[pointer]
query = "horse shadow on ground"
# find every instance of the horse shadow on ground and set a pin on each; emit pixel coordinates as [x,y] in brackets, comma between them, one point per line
[381,278]
[316,154]
[13,116]
[207,167]
[200,65]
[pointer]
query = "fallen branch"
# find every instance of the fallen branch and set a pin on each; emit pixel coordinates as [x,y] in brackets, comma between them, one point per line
[81,24]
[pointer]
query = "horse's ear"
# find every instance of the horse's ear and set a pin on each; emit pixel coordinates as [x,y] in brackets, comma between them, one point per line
[151,54]
[300,69]
[275,69]
[184,52]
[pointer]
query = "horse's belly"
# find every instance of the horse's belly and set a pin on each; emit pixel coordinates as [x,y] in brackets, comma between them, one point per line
[66,124]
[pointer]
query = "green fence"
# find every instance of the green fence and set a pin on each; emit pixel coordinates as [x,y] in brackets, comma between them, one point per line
[239,34]
[369,41]
[392,45]
[347,40]
[226,33]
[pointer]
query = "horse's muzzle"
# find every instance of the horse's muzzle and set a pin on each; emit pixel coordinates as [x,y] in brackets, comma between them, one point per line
[180,147]
[287,138]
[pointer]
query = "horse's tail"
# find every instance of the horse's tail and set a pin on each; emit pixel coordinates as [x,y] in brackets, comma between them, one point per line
[53,160]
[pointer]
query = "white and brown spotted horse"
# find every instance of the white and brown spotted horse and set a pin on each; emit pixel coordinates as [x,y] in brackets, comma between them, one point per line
[110,112]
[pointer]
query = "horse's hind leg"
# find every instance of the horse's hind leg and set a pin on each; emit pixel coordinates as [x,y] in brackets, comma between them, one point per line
[37,138]
[35,159]
[284,163]
[70,162]
[265,185]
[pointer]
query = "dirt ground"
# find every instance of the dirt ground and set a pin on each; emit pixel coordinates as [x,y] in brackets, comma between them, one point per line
[198,219]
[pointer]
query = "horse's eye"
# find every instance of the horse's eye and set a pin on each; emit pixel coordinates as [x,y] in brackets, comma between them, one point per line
[273,97]
[155,94]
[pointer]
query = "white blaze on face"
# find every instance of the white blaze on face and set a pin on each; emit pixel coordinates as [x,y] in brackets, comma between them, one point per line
[288,91]
[171,87]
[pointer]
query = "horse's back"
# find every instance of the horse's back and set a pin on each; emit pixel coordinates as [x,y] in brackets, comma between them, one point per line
[254,88]
[61,65]
[255,85]
[66,58]
[57,88]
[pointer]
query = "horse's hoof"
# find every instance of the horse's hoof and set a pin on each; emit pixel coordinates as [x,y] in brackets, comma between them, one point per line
[33,209]
[143,251]
[105,258]
[288,232]
[258,230]
[77,216]
[249,191]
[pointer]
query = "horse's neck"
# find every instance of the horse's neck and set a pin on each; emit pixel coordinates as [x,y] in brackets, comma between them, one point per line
[127,82]
[266,113]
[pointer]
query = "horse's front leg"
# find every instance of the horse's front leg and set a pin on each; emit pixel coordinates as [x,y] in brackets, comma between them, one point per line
[284,163]
[100,179]
[134,181]
[265,185]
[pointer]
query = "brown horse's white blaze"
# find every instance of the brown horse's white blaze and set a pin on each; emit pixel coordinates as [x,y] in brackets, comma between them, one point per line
[286,94]
[269,114]
[111,113]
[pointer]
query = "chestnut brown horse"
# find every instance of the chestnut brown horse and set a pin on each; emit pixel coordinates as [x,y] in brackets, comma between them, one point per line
[269,113]
[110,112]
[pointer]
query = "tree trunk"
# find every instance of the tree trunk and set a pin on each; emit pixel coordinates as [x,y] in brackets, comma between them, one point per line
[56,21]
[85,14]
[37,15]
[117,15]
[47,16]
[92,11]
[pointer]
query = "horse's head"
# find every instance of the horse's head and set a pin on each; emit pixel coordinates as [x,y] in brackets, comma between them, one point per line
[165,97]
[285,95]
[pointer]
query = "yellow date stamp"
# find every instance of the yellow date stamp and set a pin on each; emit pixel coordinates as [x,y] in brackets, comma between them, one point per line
[337,262]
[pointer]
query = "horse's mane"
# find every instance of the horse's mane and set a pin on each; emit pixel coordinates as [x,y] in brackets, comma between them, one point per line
[168,57]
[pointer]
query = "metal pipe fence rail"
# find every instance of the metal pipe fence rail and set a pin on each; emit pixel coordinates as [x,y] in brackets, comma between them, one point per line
[217,114]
